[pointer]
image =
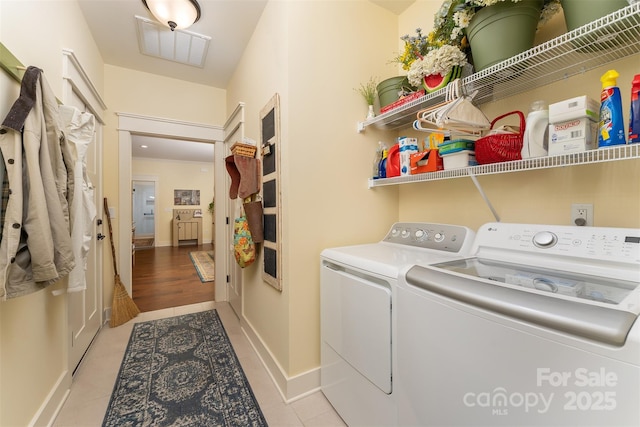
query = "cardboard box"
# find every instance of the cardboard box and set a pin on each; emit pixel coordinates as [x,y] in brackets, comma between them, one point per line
[574,108]
[573,136]
[426,161]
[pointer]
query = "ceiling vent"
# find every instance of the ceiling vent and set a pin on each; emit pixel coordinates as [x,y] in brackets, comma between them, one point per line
[180,46]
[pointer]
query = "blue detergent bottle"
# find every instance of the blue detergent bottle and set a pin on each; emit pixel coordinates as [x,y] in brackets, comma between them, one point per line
[611,126]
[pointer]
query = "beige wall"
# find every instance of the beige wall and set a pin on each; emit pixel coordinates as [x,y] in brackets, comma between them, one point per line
[314,54]
[175,175]
[33,338]
[543,196]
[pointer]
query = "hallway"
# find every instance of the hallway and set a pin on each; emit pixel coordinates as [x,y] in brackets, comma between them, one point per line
[94,380]
[165,277]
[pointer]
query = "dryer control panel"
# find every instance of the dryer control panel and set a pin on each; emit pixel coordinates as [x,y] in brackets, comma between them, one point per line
[443,237]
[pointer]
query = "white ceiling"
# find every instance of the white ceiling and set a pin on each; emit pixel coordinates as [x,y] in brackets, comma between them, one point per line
[174,149]
[229,23]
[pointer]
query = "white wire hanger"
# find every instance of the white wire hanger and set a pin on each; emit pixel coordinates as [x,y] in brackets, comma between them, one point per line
[457,113]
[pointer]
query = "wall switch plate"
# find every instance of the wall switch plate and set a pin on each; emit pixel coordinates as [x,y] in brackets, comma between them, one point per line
[582,214]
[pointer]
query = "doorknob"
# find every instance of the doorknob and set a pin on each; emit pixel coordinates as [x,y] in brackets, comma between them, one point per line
[100,236]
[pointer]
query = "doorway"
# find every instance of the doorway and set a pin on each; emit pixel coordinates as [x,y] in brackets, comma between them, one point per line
[129,124]
[144,208]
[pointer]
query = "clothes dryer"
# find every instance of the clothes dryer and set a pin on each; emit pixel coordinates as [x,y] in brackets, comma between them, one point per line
[358,356]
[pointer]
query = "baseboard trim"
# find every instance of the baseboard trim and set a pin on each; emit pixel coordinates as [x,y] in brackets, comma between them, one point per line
[290,388]
[48,411]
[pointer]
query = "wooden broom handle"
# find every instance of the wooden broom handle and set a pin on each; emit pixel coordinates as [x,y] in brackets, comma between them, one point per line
[113,248]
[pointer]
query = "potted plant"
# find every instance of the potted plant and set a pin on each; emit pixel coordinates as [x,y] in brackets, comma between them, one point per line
[437,68]
[576,14]
[431,61]
[495,29]
[369,91]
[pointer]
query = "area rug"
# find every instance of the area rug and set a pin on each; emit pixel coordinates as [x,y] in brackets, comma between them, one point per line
[203,261]
[182,371]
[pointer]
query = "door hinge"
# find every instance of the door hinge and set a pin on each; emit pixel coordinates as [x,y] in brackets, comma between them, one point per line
[227,219]
[228,278]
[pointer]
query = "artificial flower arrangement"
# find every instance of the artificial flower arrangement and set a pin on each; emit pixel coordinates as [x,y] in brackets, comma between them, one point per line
[433,56]
[440,64]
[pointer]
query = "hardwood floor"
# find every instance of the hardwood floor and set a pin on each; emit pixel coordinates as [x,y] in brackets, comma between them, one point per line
[165,277]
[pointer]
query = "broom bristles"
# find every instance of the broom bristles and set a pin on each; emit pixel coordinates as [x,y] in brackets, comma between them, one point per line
[123,308]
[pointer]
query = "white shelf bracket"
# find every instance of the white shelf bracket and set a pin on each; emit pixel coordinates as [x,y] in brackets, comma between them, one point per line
[484,196]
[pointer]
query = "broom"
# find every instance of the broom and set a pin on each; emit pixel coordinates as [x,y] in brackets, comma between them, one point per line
[123,308]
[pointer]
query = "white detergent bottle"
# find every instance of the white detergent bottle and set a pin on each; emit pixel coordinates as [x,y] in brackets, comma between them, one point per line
[536,131]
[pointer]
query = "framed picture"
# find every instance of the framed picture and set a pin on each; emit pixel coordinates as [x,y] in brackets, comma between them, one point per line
[186,197]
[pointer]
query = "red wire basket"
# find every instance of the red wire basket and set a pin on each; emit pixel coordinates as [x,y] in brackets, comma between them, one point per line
[501,147]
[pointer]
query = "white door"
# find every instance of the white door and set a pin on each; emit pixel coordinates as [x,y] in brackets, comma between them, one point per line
[233,131]
[85,307]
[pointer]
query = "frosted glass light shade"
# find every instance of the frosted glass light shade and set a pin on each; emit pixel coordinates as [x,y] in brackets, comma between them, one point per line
[178,14]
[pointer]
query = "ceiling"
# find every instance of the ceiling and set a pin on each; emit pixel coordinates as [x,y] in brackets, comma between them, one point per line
[229,23]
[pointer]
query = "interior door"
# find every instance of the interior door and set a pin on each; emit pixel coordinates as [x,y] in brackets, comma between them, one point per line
[233,131]
[144,207]
[84,316]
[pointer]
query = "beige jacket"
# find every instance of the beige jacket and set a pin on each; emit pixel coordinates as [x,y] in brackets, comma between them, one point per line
[35,250]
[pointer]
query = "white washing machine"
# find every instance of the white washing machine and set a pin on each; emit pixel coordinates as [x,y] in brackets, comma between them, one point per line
[539,328]
[358,357]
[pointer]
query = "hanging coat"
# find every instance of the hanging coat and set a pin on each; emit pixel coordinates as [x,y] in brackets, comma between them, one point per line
[35,250]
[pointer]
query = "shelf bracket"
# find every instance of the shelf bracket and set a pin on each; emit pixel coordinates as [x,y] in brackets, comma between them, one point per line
[484,196]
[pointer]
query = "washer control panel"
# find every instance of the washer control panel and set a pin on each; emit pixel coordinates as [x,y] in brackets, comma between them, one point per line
[598,243]
[443,237]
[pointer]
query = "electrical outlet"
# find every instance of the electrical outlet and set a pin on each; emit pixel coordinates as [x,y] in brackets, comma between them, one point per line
[582,214]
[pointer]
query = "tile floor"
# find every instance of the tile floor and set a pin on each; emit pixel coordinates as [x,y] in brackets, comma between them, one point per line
[94,379]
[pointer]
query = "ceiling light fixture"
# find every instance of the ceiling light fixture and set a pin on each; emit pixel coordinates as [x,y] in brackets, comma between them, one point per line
[174,13]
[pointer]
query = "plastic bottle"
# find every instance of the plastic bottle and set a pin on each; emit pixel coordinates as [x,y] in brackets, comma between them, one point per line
[382,169]
[408,146]
[536,134]
[611,126]
[377,159]
[634,117]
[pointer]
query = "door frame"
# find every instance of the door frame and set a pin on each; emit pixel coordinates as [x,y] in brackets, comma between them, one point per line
[132,124]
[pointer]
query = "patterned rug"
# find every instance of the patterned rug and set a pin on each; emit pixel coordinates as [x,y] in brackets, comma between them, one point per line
[203,261]
[182,371]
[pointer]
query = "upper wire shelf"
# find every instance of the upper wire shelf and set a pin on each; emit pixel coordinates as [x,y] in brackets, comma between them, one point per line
[612,37]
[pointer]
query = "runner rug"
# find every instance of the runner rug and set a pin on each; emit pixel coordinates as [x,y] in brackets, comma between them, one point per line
[182,371]
[203,261]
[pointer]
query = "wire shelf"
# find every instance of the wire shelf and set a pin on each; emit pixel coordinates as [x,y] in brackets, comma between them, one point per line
[607,39]
[619,152]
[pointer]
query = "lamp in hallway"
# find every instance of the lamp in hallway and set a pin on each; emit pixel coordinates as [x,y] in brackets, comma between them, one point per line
[178,14]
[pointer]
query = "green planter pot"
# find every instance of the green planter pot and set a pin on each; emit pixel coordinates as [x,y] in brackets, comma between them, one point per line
[580,12]
[389,89]
[503,30]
